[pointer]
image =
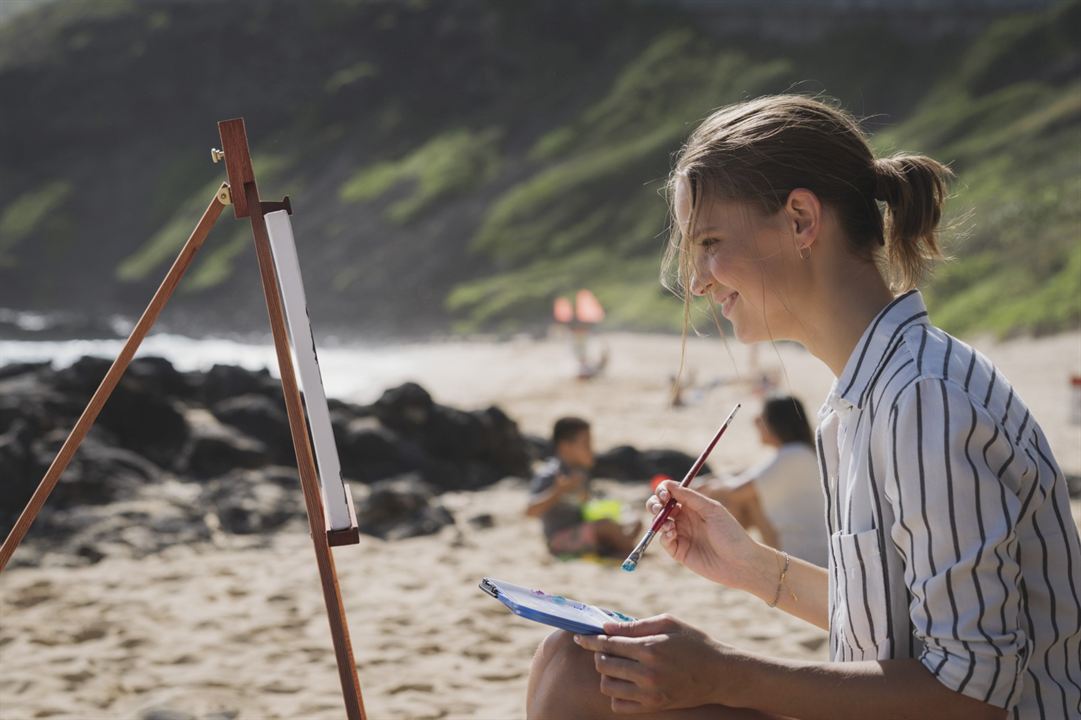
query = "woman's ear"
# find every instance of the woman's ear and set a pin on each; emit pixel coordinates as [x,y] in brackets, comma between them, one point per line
[804,212]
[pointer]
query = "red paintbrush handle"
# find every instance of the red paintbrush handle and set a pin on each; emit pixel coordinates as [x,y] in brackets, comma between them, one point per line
[668,506]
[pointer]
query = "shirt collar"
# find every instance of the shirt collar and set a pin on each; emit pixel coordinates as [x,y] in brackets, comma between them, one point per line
[850,389]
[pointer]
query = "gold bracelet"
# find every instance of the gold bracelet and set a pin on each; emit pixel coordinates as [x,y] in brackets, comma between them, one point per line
[780,581]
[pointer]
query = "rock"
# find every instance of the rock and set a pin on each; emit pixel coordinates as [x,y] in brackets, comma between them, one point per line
[226,381]
[23,368]
[401,507]
[216,448]
[138,414]
[254,501]
[539,448]
[145,422]
[157,375]
[369,451]
[505,447]
[628,463]
[83,376]
[622,462]
[404,409]
[672,463]
[465,450]
[99,472]
[262,418]
[18,477]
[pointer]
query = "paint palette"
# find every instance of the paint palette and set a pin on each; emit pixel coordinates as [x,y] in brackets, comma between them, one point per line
[555,610]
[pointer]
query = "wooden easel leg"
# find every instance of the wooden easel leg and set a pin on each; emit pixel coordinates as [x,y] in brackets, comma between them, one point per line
[313,501]
[116,371]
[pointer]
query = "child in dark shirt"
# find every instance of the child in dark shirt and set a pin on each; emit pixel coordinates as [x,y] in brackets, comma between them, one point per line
[560,489]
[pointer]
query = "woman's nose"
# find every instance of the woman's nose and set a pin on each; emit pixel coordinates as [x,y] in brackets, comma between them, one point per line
[702,279]
[700,283]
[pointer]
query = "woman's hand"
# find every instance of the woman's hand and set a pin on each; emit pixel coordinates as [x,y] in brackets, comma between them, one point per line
[660,663]
[702,535]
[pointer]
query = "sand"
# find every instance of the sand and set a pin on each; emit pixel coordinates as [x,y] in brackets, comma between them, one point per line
[237,629]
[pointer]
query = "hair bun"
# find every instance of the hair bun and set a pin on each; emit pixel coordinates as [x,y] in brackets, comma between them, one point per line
[883,176]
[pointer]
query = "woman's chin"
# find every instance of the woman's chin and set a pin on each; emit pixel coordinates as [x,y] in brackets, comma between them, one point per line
[748,335]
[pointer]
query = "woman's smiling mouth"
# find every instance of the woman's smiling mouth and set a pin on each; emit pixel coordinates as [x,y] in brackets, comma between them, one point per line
[727,302]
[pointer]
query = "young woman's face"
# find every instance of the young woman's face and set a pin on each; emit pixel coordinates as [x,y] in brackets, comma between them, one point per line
[743,261]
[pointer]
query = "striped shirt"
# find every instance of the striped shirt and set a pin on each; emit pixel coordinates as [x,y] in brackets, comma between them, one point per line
[951,539]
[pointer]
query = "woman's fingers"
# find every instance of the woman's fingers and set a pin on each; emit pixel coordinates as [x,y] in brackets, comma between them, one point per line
[624,647]
[617,667]
[621,689]
[654,506]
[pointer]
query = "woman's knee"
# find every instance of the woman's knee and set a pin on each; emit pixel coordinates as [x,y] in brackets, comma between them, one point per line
[562,676]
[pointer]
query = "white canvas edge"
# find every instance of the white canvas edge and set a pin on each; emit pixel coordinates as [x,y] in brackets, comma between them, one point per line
[302,342]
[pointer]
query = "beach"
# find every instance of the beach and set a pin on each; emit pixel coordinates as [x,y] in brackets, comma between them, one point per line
[235,628]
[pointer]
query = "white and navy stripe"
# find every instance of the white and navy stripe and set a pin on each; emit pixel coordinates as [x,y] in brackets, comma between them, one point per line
[951,538]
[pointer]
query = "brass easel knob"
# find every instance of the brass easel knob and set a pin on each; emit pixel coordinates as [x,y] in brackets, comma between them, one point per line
[216,155]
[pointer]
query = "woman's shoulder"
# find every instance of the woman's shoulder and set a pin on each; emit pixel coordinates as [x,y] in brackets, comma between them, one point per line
[947,373]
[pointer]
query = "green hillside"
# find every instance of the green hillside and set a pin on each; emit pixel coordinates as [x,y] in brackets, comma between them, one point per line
[457,165]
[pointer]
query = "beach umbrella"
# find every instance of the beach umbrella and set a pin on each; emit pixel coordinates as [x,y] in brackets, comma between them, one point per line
[562,310]
[588,308]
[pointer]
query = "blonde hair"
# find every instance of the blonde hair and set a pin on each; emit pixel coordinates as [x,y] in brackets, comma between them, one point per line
[760,150]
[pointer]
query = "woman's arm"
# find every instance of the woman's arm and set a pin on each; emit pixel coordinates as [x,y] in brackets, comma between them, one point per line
[870,688]
[804,592]
[704,537]
[661,663]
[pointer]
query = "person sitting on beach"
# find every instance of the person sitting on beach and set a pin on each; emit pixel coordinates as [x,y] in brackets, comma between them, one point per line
[953,587]
[560,490]
[782,496]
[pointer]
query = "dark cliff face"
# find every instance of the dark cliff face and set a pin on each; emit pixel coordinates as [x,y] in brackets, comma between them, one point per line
[452,165]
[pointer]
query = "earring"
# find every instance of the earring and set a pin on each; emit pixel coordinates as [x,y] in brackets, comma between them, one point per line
[804,253]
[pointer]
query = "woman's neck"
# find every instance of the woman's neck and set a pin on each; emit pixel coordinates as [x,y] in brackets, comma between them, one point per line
[836,314]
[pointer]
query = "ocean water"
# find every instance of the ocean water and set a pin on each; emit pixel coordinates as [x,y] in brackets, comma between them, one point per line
[350,371]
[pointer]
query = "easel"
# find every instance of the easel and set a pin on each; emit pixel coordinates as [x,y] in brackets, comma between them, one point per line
[242,193]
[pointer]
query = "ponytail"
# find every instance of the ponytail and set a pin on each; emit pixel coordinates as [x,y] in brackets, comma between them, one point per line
[914,189]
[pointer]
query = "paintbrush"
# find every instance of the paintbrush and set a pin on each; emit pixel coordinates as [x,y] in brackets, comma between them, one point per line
[632,560]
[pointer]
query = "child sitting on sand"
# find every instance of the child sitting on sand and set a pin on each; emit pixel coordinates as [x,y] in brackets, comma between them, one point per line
[560,490]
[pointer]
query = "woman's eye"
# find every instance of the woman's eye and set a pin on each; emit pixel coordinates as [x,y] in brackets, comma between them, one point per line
[709,244]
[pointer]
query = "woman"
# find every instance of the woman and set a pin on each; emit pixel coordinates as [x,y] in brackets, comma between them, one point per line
[952,584]
[780,497]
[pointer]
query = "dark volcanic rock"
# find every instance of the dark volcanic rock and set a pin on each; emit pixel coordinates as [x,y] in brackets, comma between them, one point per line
[99,473]
[404,409]
[145,422]
[83,376]
[400,508]
[254,501]
[226,381]
[16,369]
[465,450]
[216,448]
[177,458]
[139,413]
[156,374]
[369,451]
[261,417]
[18,473]
[624,462]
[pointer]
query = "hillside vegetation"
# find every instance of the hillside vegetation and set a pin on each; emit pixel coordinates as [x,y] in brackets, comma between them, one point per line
[455,166]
